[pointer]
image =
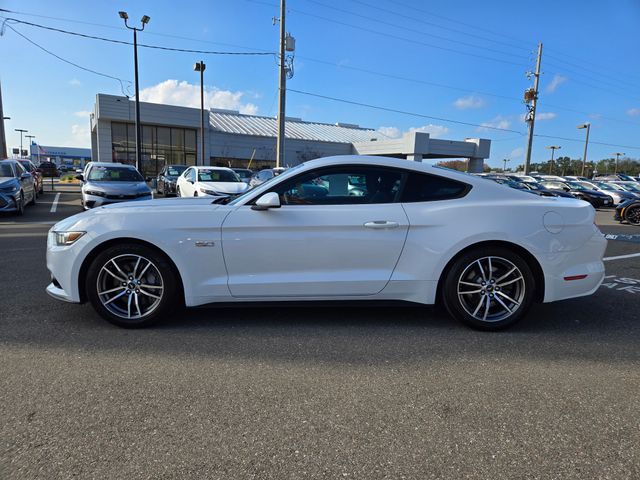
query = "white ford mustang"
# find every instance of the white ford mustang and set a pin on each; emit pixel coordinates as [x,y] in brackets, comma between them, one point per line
[339,228]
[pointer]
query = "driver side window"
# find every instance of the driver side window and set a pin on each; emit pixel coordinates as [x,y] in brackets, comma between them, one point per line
[342,185]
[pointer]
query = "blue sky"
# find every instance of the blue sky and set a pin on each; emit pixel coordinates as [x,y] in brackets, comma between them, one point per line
[455,60]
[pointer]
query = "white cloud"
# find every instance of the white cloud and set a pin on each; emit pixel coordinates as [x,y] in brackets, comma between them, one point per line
[516,153]
[497,122]
[391,132]
[471,101]
[434,131]
[74,82]
[80,136]
[555,83]
[633,112]
[186,94]
[83,114]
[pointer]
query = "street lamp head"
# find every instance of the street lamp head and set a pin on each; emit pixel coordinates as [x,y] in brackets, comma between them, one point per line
[199,67]
[123,15]
[145,19]
[6,118]
[584,125]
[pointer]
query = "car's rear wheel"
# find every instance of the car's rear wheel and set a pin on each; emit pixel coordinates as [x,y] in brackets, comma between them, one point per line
[488,289]
[178,194]
[632,214]
[132,285]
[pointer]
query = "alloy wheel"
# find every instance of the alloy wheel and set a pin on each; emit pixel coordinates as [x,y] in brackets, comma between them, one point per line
[633,216]
[130,286]
[491,289]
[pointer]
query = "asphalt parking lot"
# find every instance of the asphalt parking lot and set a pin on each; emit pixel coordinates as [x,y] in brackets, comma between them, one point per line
[332,392]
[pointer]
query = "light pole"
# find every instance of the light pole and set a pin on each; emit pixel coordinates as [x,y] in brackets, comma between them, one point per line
[30,137]
[3,148]
[21,132]
[553,149]
[200,67]
[144,20]
[617,154]
[504,161]
[586,144]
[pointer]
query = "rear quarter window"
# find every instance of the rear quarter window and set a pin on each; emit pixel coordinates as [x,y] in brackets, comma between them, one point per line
[421,187]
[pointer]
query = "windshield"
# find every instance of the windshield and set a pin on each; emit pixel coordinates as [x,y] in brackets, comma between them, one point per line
[175,171]
[534,186]
[631,188]
[26,165]
[626,178]
[243,173]
[288,173]
[576,186]
[114,174]
[608,186]
[6,170]
[217,176]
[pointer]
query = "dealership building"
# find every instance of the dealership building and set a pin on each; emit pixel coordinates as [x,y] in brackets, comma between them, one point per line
[171,135]
[72,156]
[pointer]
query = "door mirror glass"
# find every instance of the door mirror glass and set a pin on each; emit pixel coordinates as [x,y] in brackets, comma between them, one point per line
[80,177]
[267,201]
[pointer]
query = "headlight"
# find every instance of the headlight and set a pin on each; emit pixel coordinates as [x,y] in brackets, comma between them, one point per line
[9,188]
[210,192]
[67,238]
[97,193]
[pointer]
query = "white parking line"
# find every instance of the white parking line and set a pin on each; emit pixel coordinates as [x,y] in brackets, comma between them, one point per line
[54,206]
[620,257]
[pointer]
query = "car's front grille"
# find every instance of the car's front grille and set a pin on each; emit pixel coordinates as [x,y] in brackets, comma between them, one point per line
[121,197]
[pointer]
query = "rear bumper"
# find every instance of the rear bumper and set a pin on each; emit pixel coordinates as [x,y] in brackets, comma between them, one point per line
[563,271]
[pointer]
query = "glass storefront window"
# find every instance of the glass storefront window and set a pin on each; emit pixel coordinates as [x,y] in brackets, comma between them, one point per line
[160,146]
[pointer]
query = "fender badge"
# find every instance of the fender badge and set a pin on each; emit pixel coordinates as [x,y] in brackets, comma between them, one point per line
[205,243]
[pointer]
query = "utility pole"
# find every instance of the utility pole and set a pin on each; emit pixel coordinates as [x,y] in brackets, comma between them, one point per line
[532,96]
[200,67]
[3,138]
[553,149]
[144,20]
[282,92]
[617,154]
[586,126]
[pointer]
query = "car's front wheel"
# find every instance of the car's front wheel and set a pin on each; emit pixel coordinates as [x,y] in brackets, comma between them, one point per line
[132,285]
[20,204]
[488,289]
[632,214]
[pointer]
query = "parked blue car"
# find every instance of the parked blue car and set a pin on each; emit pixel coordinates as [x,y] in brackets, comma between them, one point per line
[17,187]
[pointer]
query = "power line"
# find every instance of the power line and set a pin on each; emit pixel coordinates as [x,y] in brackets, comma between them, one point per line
[403,112]
[122,42]
[119,80]
[448,120]
[396,37]
[449,29]
[413,30]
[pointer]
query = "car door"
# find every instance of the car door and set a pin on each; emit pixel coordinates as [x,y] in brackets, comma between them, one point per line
[26,181]
[186,185]
[339,233]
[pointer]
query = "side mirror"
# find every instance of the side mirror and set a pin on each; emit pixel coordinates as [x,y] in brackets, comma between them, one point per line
[80,177]
[25,176]
[566,189]
[267,201]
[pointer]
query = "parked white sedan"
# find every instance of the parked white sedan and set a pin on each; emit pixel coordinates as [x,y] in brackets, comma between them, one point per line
[413,232]
[209,182]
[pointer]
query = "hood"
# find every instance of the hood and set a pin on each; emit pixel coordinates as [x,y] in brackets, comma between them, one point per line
[5,180]
[226,187]
[118,188]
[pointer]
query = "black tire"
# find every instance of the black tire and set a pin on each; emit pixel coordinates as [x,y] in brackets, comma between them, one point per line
[20,204]
[33,200]
[125,254]
[632,214]
[158,190]
[178,194]
[501,304]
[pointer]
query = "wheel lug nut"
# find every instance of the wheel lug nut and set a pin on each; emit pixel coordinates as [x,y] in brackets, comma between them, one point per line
[124,284]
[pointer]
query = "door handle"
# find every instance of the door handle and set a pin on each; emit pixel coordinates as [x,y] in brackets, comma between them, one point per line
[381,224]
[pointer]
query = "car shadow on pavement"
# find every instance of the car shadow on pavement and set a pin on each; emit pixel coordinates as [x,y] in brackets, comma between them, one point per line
[587,328]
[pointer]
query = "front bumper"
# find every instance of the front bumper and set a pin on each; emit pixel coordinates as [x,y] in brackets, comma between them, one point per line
[93,201]
[8,203]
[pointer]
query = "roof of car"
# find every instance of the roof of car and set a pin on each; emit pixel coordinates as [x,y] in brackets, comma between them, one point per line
[207,167]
